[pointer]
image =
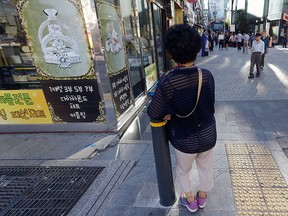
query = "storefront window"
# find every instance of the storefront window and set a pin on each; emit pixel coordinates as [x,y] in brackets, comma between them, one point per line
[47,71]
[147,44]
[16,69]
[133,48]
[158,28]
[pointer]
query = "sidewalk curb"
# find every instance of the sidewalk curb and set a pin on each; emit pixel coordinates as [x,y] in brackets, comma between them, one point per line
[90,151]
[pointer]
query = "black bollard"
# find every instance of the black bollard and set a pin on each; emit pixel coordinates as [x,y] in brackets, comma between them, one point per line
[163,162]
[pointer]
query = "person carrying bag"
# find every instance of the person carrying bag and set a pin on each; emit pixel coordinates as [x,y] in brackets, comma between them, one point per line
[185,96]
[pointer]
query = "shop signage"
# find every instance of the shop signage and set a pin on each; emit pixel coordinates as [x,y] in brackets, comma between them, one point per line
[275,9]
[151,75]
[285,17]
[121,91]
[73,100]
[115,54]
[62,55]
[23,107]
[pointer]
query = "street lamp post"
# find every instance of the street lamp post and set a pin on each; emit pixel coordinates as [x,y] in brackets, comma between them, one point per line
[224,18]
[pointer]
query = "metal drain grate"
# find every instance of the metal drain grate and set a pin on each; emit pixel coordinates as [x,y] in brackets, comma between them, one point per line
[43,190]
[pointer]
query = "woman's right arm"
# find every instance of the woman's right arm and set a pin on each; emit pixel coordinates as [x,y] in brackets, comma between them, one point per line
[158,108]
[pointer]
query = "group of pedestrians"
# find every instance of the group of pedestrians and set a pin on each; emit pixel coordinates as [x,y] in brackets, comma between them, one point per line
[258,44]
[227,39]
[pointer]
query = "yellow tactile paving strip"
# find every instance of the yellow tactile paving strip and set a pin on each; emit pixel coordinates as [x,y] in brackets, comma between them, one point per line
[258,186]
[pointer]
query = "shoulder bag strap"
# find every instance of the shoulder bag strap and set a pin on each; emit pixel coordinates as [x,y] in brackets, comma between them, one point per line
[198,94]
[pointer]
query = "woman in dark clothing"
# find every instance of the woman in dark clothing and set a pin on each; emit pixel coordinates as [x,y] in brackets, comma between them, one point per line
[204,41]
[211,41]
[192,133]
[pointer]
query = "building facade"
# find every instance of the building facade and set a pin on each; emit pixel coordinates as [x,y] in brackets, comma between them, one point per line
[268,15]
[78,65]
[82,65]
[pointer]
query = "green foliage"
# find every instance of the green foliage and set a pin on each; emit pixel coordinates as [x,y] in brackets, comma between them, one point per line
[241,21]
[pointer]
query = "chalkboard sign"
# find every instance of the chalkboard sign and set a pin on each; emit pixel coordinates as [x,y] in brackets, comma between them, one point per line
[121,91]
[73,100]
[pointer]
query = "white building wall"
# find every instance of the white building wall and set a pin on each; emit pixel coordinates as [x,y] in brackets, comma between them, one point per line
[217,5]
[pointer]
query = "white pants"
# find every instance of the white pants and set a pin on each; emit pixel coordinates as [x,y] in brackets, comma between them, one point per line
[204,163]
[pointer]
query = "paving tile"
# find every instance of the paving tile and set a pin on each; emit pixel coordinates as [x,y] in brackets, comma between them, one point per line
[125,194]
[114,211]
[132,152]
[220,162]
[148,196]
[146,160]
[222,188]
[144,211]
[138,174]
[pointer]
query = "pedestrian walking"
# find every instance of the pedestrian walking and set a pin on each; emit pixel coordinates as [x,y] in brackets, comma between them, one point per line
[239,41]
[266,40]
[284,44]
[221,40]
[246,39]
[204,43]
[226,39]
[232,40]
[189,106]
[252,38]
[211,40]
[258,48]
[216,38]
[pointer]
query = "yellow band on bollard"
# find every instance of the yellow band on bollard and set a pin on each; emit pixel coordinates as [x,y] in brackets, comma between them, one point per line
[158,124]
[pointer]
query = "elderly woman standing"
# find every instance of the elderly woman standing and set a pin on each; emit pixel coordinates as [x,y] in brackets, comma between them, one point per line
[185,96]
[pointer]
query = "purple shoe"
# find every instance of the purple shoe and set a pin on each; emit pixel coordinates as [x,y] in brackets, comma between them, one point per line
[201,202]
[192,207]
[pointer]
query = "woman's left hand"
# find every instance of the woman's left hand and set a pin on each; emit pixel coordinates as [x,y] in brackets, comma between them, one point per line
[167,117]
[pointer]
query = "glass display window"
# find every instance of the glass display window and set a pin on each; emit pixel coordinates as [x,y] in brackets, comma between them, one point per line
[134,49]
[147,43]
[16,64]
[158,37]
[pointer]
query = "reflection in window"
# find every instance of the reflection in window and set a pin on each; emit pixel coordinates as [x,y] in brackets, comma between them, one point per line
[147,44]
[158,27]
[16,65]
[132,44]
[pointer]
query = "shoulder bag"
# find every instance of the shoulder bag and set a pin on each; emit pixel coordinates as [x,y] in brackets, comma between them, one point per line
[198,94]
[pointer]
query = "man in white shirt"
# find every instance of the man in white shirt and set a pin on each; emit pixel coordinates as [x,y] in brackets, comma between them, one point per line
[239,40]
[258,48]
[246,42]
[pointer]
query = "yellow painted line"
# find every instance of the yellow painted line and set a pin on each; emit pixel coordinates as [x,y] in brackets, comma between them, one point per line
[258,186]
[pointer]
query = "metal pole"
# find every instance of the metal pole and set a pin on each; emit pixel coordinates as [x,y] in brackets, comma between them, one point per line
[265,14]
[163,162]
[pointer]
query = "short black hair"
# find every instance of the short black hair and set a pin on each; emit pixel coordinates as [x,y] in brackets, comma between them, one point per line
[183,43]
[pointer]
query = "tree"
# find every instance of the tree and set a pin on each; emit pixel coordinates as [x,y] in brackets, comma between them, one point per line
[241,21]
